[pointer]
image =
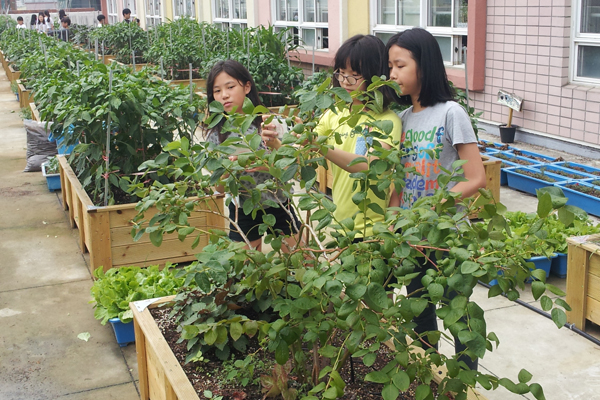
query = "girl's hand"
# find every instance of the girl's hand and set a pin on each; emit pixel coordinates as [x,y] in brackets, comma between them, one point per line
[270,135]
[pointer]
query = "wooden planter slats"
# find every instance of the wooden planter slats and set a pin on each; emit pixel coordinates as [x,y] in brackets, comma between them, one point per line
[35,114]
[160,374]
[106,231]
[25,96]
[583,280]
[12,74]
[161,377]
[138,67]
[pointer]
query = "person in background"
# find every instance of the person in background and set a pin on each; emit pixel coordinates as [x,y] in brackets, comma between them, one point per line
[61,14]
[20,24]
[41,26]
[101,20]
[49,24]
[33,21]
[63,34]
[127,15]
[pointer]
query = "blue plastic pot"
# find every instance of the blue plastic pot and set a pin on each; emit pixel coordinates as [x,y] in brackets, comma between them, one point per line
[558,170]
[124,333]
[541,262]
[62,149]
[587,168]
[588,203]
[530,184]
[559,265]
[52,180]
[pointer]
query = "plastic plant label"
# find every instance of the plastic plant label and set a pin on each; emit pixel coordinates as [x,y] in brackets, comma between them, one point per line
[141,305]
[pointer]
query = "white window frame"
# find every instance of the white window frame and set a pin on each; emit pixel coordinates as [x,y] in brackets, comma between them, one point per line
[112,16]
[229,22]
[132,5]
[455,33]
[152,18]
[580,39]
[321,28]
[188,6]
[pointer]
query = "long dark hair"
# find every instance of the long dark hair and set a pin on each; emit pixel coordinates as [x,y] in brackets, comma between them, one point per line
[426,52]
[238,72]
[367,56]
[34,18]
[61,14]
[47,14]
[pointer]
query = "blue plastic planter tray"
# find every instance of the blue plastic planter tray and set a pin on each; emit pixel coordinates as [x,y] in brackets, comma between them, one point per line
[575,166]
[499,145]
[505,165]
[540,262]
[558,170]
[62,149]
[559,265]
[124,333]
[532,155]
[588,203]
[52,180]
[529,184]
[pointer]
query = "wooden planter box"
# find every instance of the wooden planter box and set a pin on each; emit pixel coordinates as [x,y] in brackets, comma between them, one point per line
[25,96]
[160,375]
[138,67]
[491,166]
[35,114]
[3,60]
[583,280]
[12,74]
[105,232]
[107,59]
[200,83]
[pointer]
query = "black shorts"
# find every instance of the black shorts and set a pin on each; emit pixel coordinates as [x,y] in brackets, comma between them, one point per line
[248,225]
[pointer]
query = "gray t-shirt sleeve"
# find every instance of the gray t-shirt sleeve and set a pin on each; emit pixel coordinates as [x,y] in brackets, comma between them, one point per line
[458,125]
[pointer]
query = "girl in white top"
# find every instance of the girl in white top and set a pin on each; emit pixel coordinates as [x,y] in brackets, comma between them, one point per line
[41,23]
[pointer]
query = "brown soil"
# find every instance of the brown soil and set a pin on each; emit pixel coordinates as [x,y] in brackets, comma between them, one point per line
[211,375]
[520,153]
[576,168]
[490,145]
[512,159]
[584,189]
[537,175]
[563,173]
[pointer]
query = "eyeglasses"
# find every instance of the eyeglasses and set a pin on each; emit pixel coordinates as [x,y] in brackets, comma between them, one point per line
[351,79]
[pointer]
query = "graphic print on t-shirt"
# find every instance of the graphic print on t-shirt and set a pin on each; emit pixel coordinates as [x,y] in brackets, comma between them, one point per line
[424,181]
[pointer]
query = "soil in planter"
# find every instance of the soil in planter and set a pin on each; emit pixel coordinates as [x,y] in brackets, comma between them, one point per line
[576,168]
[512,159]
[520,153]
[564,173]
[485,145]
[212,375]
[584,189]
[537,175]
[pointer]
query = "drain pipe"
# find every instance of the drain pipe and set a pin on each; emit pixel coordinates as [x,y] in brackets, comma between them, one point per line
[466,77]
[572,327]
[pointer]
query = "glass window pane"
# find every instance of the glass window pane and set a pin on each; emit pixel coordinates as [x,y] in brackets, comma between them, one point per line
[322,11]
[445,44]
[590,16]
[309,10]
[461,12]
[280,11]
[409,12]
[440,13]
[243,12]
[386,13]
[588,62]
[384,36]
[309,37]
[225,8]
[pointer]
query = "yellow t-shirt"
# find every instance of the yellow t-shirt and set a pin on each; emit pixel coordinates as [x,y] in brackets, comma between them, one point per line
[354,143]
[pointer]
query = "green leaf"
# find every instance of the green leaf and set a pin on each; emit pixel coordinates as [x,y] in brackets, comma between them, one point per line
[401,380]
[189,332]
[468,267]
[544,204]
[377,377]
[422,392]
[356,292]
[546,303]
[376,297]
[235,330]
[537,391]
[524,376]
[538,288]
[369,359]
[282,352]
[390,392]
[210,337]
[559,317]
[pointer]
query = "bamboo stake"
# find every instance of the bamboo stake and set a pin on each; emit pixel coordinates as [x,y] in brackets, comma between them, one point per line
[510,115]
[110,79]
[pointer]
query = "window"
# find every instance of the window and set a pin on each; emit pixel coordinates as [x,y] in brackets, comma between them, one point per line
[131,4]
[445,19]
[185,8]
[113,17]
[230,14]
[585,49]
[153,12]
[308,20]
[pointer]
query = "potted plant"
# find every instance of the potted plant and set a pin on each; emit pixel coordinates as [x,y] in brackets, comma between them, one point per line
[530,180]
[514,103]
[293,302]
[114,289]
[584,195]
[51,172]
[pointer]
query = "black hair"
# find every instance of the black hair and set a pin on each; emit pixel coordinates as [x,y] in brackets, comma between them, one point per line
[47,13]
[366,55]
[126,11]
[101,17]
[38,19]
[426,52]
[238,72]
[19,18]
[66,20]
[61,14]
[33,20]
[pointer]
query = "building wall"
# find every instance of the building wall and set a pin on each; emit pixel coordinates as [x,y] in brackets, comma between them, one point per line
[528,49]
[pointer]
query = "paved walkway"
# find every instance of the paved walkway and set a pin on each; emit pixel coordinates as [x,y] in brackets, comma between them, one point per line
[44,295]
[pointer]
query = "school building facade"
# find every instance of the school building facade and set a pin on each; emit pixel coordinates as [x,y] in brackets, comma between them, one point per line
[545,51]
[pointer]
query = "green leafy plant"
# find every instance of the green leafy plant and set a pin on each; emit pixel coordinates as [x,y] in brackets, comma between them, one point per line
[122,39]
[114,289]
[52,165]
[330,298]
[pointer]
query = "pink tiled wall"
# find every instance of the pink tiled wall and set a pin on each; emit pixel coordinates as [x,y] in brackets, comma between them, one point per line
[527,53]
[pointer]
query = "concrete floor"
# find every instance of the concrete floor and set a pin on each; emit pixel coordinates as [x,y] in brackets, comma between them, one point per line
[44,295]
